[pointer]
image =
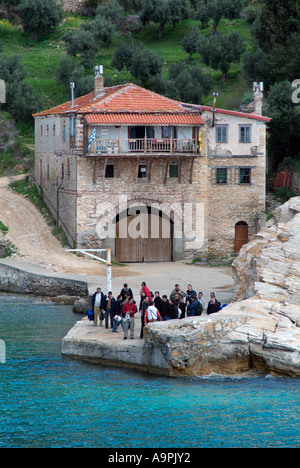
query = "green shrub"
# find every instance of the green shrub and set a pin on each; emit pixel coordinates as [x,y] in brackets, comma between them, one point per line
[283,194]
[39,17]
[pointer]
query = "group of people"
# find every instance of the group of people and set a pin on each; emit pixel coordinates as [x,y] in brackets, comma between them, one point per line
[121,311]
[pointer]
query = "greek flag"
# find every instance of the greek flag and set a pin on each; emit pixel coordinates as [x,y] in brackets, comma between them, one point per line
[92,138]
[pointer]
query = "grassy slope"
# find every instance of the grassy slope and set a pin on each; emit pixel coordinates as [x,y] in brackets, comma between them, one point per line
[41,58]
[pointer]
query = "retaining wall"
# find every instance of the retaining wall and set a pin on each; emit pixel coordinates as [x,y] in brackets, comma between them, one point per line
[14,280]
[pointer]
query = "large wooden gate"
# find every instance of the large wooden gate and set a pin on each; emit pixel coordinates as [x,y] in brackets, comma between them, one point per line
[241,235]
[144,238]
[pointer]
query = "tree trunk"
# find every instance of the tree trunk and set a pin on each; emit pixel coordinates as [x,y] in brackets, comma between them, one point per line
[224,77]
[215,26]
[161,30]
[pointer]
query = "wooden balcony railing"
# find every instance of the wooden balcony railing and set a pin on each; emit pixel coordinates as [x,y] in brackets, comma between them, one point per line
[145,145]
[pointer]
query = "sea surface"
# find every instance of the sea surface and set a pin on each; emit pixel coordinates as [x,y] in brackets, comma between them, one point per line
[47,400]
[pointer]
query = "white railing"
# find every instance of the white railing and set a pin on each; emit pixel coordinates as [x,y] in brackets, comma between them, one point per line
[145,145]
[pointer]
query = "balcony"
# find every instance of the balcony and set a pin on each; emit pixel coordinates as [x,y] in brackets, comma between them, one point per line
[144,146]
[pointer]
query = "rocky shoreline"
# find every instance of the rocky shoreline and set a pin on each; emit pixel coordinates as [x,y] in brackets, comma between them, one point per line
[259,332]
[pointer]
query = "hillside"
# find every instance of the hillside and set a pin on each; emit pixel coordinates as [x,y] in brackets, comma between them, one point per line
[41,57]
[88,46]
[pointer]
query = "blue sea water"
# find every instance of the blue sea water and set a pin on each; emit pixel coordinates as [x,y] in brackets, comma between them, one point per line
[47,400]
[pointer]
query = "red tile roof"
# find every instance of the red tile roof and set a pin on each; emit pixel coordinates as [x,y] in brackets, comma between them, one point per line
[144,119]
[129,104]
[240,114]
[229,112]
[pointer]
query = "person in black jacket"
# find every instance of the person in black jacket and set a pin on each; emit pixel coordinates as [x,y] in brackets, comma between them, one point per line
[109,307]
[165,309]
[173,309]
[143,307]
[157,300]
[118,317]
[213,306]
[126,293]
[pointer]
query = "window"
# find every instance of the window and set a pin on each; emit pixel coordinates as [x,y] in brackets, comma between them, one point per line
[142,170]
[110,170]
[166,132]
[64,133]
[245,133]
[62,171]
[41,129]
[174,170]
[221,133]
[221,175]
[53,129]
[245,175]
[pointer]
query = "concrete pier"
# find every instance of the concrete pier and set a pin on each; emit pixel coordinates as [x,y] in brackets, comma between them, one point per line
[102,346]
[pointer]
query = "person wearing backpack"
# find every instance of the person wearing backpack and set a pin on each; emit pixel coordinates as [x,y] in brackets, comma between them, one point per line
[152,314]
[194,307]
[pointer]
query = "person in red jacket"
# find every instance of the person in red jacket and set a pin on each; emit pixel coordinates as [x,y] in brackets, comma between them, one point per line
[146,290]
[129,311]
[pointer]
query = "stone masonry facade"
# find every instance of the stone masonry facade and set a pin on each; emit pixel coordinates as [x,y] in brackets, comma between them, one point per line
[76,188]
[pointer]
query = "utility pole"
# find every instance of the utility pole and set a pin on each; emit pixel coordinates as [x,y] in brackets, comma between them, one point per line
[215,95]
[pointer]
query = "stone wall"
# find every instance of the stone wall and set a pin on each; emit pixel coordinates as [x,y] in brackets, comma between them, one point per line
[95,192]
[55,170]
[14,280]
[233,202]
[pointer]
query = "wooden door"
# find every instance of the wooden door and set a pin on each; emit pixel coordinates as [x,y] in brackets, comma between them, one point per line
[148,239]
[241,235]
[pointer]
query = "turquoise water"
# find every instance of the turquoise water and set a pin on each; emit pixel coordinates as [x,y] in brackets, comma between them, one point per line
[48,400]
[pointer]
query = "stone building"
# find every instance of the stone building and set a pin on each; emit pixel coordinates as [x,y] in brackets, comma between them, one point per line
[150,177]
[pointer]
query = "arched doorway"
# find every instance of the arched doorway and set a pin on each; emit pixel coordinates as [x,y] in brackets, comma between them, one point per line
[145,235]
[241,235]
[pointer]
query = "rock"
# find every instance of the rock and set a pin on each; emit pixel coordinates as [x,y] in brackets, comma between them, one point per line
[81,306]
[269,265]
[67,300]
[258,332]
[248,336]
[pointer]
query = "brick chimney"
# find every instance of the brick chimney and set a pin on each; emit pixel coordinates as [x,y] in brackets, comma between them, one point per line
[98,82]
[98,87]
[258,98]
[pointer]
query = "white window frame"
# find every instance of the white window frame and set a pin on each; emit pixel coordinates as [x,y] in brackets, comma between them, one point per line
[246,138]
[223,133]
